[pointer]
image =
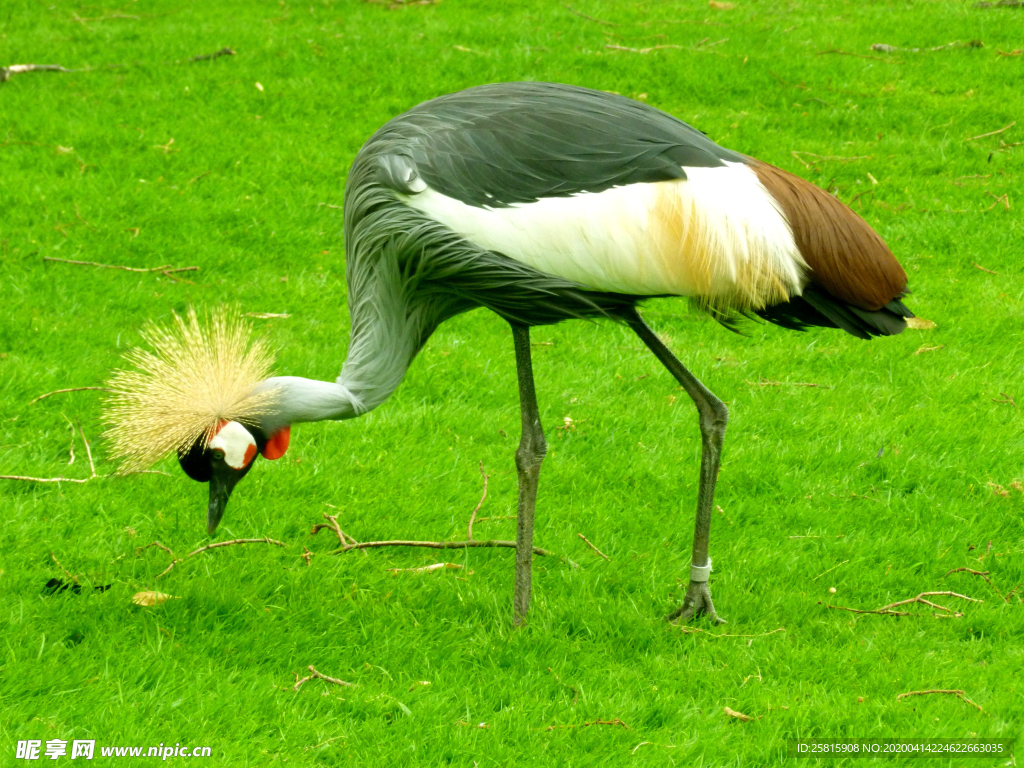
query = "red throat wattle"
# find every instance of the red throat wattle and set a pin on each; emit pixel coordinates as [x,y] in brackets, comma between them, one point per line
[277,444]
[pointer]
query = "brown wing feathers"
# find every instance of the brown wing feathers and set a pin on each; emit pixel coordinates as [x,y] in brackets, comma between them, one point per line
[846,256]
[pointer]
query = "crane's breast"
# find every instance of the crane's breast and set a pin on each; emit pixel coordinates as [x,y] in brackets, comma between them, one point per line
[715,234]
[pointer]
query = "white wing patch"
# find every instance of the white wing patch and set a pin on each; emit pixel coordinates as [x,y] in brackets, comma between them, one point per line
[718,236]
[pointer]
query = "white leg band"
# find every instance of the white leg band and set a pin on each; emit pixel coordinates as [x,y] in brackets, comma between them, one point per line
[700,573]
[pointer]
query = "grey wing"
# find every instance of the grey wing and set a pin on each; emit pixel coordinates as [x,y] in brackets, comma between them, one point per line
[498,145]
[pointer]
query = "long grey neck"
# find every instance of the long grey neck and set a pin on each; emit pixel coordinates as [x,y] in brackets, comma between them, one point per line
[386,335]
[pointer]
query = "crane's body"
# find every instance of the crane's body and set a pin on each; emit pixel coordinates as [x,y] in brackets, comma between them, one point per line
[547,202]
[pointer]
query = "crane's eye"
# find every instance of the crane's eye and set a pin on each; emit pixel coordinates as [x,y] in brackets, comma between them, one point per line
[218,454]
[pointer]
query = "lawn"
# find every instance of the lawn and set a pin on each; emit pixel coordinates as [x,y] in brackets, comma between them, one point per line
[855,474]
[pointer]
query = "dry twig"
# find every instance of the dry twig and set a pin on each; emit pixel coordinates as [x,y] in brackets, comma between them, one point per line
[165,270]
[856,198]
[887,610]
[46,479]
[66,571]
[472,517]
[348,543]
[427,568]
[769,383]
[958,693]
[616,721]
[590,18]
[440,545]
[164,547]
[314,675]
[883,48]
[216,545]
[738,715]
[613,47]
[80,481]
[88,453]
[978,266]
[1003,198]
[598,551]
[992,133]
[216,54]
[695,630]
[332,522]
[829,570]
[983,574]
[61,391]
[17,69]
[858,55]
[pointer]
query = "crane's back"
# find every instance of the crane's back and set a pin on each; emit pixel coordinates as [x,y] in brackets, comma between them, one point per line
[616,197]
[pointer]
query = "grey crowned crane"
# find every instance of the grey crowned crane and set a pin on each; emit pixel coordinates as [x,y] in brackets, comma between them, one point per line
[542,203]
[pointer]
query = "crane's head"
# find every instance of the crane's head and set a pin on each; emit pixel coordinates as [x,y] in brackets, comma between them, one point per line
[197,393]
[226,458]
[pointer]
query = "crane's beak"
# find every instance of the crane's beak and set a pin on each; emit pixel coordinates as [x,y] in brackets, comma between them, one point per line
[222,482]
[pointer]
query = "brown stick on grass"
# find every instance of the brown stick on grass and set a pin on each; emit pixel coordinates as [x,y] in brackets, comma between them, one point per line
[590,18]
[958,693]
[46,479]
[983,574]
[348,543]
[858,55]
[612,47]
[61,391]
[66,571]
[992,133]
[314,675]
[17,69]
[214,55]
[216,545]
[80,481]
[887,610]
[332,522]
[616,721]
[472,517]
[165,269]
[695,630]
[439,545]
[157,544]
[598,551]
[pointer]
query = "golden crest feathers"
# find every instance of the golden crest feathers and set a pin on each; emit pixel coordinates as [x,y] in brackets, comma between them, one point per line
[194,376]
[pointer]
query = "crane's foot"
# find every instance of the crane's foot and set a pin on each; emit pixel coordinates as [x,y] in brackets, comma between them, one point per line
[696,603]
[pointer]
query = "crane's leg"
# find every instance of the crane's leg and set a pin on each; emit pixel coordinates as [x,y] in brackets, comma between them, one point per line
[713,418]
[529,456]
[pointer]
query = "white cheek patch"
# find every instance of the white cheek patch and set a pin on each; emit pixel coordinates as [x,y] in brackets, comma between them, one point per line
[238,445]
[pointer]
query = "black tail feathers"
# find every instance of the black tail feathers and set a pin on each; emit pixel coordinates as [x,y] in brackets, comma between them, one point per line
[817,307]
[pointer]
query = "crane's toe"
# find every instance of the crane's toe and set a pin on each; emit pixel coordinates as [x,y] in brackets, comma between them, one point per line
[696,603]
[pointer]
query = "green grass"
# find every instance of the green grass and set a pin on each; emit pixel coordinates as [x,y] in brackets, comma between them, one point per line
[885,468]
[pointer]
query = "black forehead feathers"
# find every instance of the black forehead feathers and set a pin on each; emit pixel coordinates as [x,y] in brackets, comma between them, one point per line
[196,463]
